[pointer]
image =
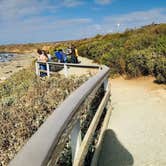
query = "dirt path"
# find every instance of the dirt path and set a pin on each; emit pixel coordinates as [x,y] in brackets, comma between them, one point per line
[137,129]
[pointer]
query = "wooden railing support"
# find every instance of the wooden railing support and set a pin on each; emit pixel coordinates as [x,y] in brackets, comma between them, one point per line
[37,68]
[48,69]
[90,132]
[100,139]
[65,70]
[106,84]
[75,140]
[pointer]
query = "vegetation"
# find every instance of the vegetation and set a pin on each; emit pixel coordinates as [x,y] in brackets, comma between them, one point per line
[25,103]
[26,100]
[134,53]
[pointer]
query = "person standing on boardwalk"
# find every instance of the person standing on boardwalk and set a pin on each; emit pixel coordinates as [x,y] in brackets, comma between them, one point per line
[74,54]
[48,55]
[42,58]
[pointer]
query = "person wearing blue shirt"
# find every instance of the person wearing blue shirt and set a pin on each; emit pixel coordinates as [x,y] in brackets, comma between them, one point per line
[60,56]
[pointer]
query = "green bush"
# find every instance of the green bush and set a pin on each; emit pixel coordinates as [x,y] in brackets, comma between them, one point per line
[139,63]
[115,61]
[160,70]
[134,52]
[160,45]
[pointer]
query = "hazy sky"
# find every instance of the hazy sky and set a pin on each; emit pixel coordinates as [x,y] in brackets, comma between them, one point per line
[25,21]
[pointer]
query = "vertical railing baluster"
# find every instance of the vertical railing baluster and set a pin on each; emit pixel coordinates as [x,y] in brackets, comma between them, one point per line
[37,68]
[104,125]
[75,140]
[106,84]
[48,70]
[65,70]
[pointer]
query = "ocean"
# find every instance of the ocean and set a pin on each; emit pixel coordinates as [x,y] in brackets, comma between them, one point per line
[5,57]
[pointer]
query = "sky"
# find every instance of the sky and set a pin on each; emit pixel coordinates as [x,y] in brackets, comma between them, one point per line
[30,21]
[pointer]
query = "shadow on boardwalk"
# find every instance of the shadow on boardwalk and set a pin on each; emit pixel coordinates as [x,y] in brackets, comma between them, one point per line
[113,153]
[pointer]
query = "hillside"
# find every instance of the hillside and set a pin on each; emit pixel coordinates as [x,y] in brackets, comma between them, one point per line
[134,53]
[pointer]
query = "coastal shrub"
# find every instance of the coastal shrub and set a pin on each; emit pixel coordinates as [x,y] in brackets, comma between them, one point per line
[139,63]
[115,61]
[8,101]
[18,83]
[160,70]
[134,53]
[28,102]
[160,45]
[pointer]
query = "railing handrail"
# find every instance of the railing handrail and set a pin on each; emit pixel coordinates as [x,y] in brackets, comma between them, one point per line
[71,64]
[40,146]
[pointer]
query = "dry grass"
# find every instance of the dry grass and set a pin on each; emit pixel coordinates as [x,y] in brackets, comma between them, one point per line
[25,103]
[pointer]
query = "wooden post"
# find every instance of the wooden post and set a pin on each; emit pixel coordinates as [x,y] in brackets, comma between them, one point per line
[65,70]
[106,84]
[100,67]
[75,140]
[48,70]
[87,140]
[100,139]
[37,69]
[104,125]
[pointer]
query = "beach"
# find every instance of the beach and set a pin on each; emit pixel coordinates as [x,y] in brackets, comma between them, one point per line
[17,63]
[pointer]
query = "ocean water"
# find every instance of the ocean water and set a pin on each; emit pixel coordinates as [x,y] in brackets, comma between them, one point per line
[5,57]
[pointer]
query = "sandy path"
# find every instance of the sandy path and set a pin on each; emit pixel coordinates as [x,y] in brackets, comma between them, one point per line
[137,129]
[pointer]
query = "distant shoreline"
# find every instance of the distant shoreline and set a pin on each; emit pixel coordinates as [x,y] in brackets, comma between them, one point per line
[18,62]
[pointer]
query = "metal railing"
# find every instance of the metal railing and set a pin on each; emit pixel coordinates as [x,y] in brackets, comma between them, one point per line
[44,147]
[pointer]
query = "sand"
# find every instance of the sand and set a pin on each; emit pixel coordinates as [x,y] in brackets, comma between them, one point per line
[137,130]
[18,62]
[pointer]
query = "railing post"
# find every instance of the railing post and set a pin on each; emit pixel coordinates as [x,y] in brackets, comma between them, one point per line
[37,68]
[102,131]
[65,70]
[100,68]
[106,84]
[48,70]
[75,140]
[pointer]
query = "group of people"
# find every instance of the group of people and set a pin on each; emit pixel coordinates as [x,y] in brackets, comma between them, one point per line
[69,55]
